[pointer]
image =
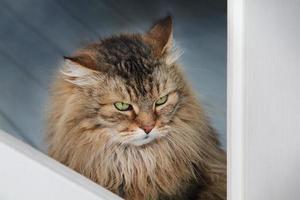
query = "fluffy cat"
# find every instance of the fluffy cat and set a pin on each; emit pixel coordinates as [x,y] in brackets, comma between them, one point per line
[122,114]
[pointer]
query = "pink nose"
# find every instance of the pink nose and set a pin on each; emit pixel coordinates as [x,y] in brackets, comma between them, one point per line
[147,128]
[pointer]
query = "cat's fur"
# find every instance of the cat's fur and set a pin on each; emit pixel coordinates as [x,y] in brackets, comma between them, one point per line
[88,134]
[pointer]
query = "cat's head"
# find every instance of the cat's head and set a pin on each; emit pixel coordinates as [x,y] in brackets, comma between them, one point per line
[132,83]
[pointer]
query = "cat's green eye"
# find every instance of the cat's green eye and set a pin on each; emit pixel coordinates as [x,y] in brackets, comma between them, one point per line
[161,100]
[122,106]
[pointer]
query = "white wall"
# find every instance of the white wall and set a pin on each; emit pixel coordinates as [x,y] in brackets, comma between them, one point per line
[270,69]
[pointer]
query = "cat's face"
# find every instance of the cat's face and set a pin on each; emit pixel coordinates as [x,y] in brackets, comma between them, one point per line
[132,84]
[138,113]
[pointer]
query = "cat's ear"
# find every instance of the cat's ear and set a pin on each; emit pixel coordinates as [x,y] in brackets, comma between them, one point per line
[84,58]
[161,35]
[79,70]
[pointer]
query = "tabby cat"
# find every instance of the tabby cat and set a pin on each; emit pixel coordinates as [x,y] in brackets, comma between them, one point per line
[123,114]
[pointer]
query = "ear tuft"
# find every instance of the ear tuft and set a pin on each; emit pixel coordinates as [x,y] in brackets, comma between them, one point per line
[161,35]
[173,54]
[77,73]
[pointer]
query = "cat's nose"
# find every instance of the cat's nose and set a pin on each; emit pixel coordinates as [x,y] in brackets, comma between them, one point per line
[148,128]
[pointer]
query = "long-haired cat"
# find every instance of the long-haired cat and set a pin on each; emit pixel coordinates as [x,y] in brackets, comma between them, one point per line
[123,114]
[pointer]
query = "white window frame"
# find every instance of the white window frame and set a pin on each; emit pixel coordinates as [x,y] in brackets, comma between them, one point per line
[235,99]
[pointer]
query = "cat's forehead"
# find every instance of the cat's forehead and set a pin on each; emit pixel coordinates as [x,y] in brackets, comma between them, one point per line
[140,86]
[142,91]
[125,47]
[131,59]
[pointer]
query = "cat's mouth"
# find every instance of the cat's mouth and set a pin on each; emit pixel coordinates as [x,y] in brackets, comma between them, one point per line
[146,139]
[140,138]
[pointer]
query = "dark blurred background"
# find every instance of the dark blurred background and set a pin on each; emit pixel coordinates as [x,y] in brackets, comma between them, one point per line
[35,34]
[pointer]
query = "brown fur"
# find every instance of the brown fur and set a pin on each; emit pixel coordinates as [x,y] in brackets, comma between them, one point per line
[86,132]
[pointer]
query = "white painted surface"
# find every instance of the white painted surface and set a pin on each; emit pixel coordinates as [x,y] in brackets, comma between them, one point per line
[272,107]
[25,173]
[270,124]
[235,100]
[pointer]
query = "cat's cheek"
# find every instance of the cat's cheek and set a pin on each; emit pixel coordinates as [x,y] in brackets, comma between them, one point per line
[162,122]
[127,126]
[165,114]
[165,110]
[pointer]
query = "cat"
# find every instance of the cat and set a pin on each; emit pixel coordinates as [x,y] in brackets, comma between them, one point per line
[122,113]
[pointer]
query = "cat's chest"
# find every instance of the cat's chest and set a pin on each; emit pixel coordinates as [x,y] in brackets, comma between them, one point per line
[141,181]
[149,174]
